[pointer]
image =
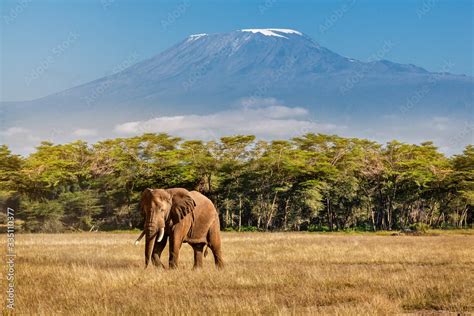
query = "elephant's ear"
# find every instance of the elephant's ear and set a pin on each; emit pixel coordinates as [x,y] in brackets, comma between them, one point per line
[181,203]
[145,199]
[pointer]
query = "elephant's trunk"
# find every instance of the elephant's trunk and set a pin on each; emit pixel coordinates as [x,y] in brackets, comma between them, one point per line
[151,238]
[150,243]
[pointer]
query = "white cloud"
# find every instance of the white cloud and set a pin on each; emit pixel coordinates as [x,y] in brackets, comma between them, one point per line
[14,130]
[33,138]
[257,102]
[450,135]
[265,118]
[19,139]
[82,132]
[270,120]
[271,107]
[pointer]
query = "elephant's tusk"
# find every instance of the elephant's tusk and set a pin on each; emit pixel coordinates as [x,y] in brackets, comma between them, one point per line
[140,238]
[160,236]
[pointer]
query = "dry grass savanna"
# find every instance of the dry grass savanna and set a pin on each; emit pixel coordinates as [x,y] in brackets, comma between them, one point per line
[266,273]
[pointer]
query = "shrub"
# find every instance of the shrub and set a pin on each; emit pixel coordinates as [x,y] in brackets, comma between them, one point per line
[317,228]
[420,227]
[242,229]
[79,209]
[248,229]
[42,216]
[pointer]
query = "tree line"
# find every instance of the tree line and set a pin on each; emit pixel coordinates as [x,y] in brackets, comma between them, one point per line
[313,182]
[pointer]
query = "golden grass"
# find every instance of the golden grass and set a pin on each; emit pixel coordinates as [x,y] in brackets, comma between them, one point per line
[266,273]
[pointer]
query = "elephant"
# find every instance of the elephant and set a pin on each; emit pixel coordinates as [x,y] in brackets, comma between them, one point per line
[181,216]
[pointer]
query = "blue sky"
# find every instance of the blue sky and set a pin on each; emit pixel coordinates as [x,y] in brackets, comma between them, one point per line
[49,46]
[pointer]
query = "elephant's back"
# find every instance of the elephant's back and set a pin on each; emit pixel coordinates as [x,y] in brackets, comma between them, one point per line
[202,201]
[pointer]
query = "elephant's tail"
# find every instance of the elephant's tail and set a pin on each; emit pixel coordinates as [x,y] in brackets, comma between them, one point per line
[205,251]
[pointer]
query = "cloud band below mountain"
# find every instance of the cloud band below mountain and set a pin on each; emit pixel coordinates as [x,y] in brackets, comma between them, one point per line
[268,121]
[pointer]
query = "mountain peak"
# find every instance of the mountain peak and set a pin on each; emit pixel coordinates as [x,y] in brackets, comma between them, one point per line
[194,37]
[273,32]
[205,74]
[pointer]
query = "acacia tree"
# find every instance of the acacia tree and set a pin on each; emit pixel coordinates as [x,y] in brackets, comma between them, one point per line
[461,188]
[202,164]
[410,170]
[233,155]
[310,182]
[10,179]
[123,167]
[47,176]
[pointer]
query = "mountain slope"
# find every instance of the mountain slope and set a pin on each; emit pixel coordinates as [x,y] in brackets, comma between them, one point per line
[206,73]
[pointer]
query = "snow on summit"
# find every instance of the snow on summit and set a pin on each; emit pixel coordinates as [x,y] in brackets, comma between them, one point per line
[196,36]
[273,32]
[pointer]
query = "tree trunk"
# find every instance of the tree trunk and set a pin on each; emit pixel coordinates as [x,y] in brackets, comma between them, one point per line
[372,215]
[226,215]
[272,210]
[209,183]
[329,215]
[285,223]
[240,213]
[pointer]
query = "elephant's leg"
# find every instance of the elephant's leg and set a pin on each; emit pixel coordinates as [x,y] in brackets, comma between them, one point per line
[175,246]
[198,249]
[157,250]
[214,242]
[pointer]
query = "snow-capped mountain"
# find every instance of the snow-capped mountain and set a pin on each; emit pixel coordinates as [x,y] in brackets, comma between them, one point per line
[208,73]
